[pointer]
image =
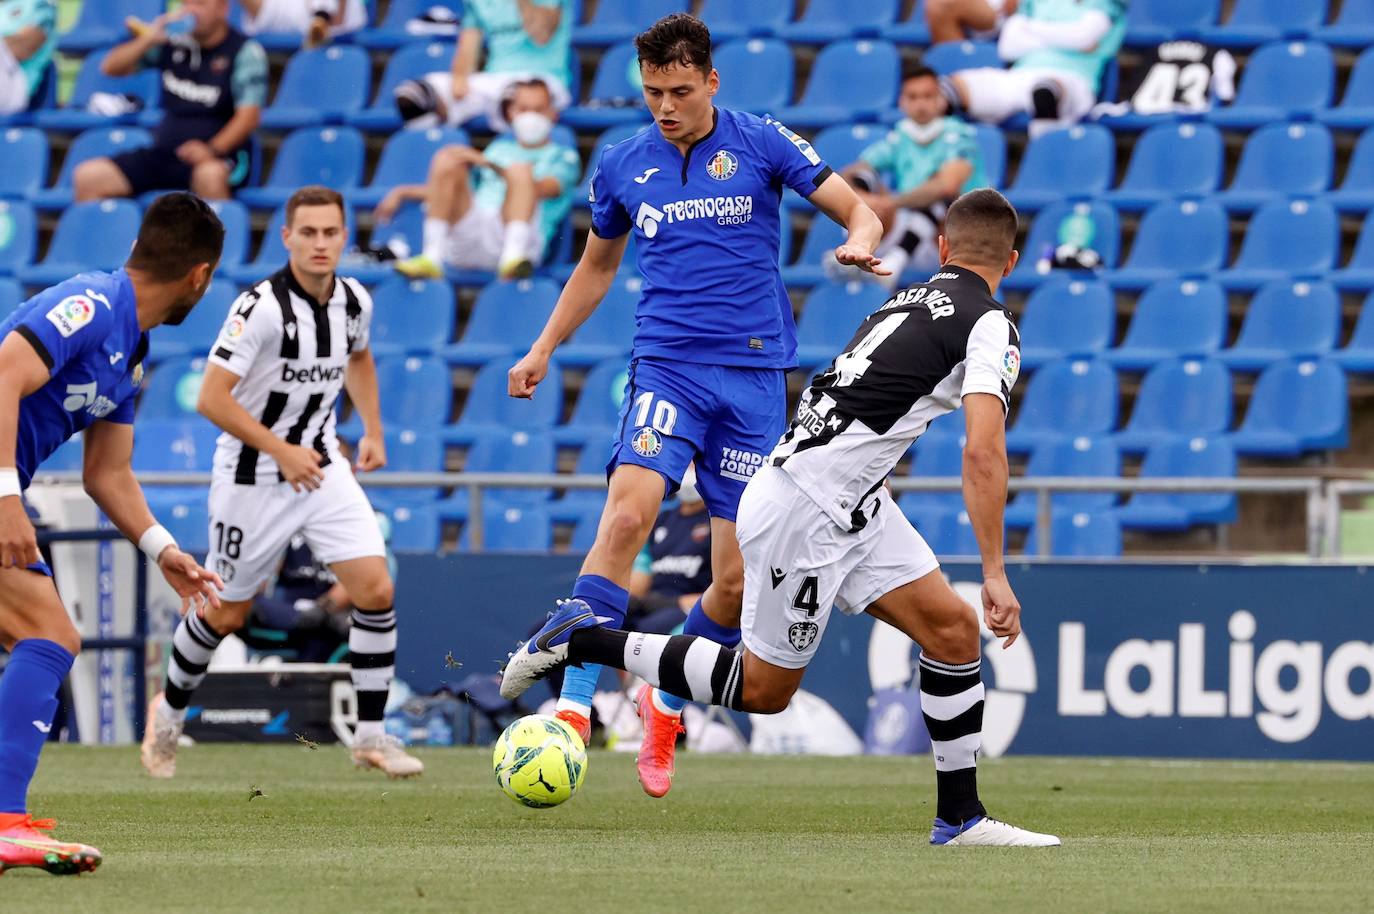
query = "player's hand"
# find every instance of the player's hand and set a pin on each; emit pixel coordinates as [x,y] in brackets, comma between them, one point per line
[18,542]
[853,255]
[300,466]
[1001,609]
[460,88]
[371,453]
[198,588]
[527,374]
[193,152]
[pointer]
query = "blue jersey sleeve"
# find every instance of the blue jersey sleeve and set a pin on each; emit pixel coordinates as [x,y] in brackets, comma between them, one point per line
[609,218]
[124,412]
[794,160]
[63,327]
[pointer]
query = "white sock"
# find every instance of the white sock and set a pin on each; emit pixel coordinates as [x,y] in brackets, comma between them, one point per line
[435,236]
[170,715]
[516,245]
[576,707]
[368,729]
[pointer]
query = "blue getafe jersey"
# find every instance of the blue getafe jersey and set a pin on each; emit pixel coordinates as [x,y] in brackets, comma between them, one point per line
[86,330]
[706,234]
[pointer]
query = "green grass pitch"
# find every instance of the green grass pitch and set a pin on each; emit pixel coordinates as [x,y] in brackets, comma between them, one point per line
[738,834]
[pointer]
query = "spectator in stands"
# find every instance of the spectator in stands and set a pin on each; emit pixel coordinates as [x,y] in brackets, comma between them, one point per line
[214,84]
[911,175]
[674,568]
[955,20]
[27,37]
[1059,49]
[524,39]
[317,20]
[502,217]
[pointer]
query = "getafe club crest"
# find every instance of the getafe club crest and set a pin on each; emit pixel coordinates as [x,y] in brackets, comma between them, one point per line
[801,634]
[647,443]
[722,166]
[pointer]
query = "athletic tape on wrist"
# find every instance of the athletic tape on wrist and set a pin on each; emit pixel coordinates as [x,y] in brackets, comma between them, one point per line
[154,541]
[9,481]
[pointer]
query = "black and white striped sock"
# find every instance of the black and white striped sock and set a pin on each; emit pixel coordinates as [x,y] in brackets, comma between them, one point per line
[683,665]
[372,654]
[952,705]
[193,644]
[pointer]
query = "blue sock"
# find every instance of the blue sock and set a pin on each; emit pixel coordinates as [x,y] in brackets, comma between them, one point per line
[606,598]
[698,623]
[28,701]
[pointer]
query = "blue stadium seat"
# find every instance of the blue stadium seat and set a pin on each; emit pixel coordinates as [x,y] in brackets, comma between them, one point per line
[414,527]
[409,450]
[196,334]
[24,150]
[992,144]
[1353,28]
[950,425]
[100,25]
[233,215]
[411,316]
[419,392]
[74,117]
[320,86]
[505,320]
[1358,354]
[577,503]
[412,61]
[610,330]
[937,457]
[68,458]
[1282,81]
[1175,317]
[613,99]
[1183,457]
[825,21]
[1066,317]
[185,513]
[850,81]
[332,156]
[1064,164]
[504,451]
[1170,160]
[18,236]
[952,56]
[947,533]
[1254,22]
[89,236]
[271,254]
[392,33]
[94,143]
[1176,238]
[1178,398]
[1297,405]
[11,296]
[1082,456]
[596,416]
[1288,238]
[490,408]
[757,74]
[1356,110]
[405,160]
[622,20]
[585,524]
[1071,398]
[1358,274]
[511,529]
[1156,21]
[913,30]
[1044,236]
[174,445]
[1356,193]
[807,269]
[1286,319]
[609,137]
[1281,160]
[730,19]
[1080,535]
[171,388]
[832,313]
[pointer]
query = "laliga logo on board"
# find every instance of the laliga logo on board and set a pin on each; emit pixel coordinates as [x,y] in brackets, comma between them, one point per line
[722,166]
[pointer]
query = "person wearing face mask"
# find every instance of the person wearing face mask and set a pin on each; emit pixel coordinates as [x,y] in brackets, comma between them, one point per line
[910,176]
[494,209]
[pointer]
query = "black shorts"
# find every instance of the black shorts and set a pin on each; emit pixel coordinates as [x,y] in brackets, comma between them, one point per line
[158,168]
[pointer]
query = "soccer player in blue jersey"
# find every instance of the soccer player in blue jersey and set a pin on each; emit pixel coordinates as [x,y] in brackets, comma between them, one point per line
[700,189]
[72,360]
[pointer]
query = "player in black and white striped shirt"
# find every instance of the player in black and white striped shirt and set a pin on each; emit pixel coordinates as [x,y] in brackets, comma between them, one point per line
[290,346]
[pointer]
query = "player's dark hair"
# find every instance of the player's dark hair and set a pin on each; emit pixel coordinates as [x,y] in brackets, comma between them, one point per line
[312,195]
[680,39]
[918,71]
[980,228]
[179,231]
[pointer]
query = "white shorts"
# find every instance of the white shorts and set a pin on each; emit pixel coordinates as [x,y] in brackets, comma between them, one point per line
[295,16]
[258,523]
[798,564]
[476,241]
[995,94]
[14,85]
[484,96]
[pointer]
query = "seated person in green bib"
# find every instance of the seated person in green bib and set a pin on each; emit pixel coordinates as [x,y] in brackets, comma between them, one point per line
[911,175]
[494,209]
[28,35]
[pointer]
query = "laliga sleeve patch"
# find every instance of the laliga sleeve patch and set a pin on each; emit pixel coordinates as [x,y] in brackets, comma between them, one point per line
[802,145]
[71,314]
[1011,365]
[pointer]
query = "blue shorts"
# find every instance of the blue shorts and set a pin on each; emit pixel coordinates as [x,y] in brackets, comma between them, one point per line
[724,419]
[40,567]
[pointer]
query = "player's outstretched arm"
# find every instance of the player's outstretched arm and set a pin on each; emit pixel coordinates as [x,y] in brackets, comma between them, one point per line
[587,286]
[360,380]
[985,498]
[838,200]
[108,475]
[22,372]
[300,466]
